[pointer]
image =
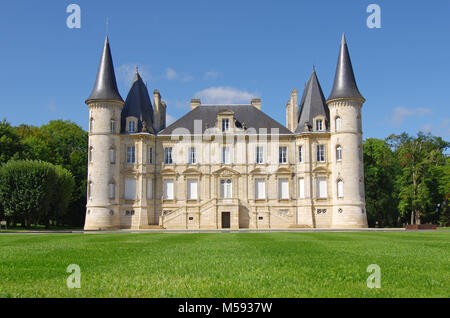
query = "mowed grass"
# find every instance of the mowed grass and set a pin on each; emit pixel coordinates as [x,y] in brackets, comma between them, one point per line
[413,264]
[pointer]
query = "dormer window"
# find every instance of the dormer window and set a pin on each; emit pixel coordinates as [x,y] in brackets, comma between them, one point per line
[131,126]
[225,125]
[319,124]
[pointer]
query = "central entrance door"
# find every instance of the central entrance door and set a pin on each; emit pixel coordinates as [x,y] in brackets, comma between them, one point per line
[225,220]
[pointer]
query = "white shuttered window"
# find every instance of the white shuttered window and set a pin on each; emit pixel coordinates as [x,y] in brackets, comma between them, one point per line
[168,190]
[192,189]
[260,189]
[130,188]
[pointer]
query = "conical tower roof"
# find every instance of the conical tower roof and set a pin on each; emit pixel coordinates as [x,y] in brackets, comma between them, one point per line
[312,104]
[344,80]
[138,105]
[105,87]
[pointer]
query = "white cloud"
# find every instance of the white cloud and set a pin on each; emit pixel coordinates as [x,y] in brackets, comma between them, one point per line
[51,107]
[211,75]
[171,74]
[400,114]
[126,72]
[225,95]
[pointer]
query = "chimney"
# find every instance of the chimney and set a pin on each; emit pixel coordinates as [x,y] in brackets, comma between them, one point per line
[195,103]
[256,102]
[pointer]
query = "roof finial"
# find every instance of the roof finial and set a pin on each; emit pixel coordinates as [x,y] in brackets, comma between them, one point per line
[137,69]
[314,68]
[107,26]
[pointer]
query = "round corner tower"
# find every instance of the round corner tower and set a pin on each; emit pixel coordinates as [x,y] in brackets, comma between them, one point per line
[105,106]
[345,103]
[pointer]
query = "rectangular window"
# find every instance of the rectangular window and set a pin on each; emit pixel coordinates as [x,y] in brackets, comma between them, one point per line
[90,189]
[112,155]
[150,155]
[149,189]
[300,154]
[319,124]
[112,190]
[131,126]
[320,153]
[112,127]
[259,155]
[131,154]
[226,156]
[130,189]
[192,190]
[225,124]
[301,188]
[91,154]
[226,189]
[283,188]
[322,188]
[168,190]
[192,159]
[168,156]
[260,189]
[282,155]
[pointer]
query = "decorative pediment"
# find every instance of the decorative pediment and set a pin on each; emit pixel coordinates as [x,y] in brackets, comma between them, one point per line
[225,171]
[225,112]
[283,170]
[168,171]
[191,171]
[258,171]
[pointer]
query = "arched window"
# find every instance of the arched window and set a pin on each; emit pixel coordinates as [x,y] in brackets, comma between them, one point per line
[112,155]
[338,123]
[340,188]
[112,126]
[91,124]
[338,153]
[112,190]
[91,154]
[90,189]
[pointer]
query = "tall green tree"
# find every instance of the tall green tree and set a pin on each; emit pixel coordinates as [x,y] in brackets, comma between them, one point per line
[380,169]
[10,143]
[416,183]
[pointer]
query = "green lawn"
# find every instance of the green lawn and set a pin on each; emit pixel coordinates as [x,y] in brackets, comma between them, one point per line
[413,264]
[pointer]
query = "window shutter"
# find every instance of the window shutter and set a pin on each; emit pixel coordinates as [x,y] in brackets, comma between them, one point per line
[322,187]
[284,188]
[192,189]
[301,188]
[130,188]
[168,189]
[340,189]
[260,189]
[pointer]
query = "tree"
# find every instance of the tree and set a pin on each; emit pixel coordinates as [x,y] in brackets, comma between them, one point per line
[27,189]
[379,173]
[10,145]
[416,183]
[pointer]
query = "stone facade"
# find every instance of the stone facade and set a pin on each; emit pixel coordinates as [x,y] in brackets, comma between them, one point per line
[267,177]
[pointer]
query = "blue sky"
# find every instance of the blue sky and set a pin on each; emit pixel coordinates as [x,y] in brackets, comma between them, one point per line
[229,51]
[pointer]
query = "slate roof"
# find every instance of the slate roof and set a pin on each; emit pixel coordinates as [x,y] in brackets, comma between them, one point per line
[138,105]
[312,104]
[247,115]
[105,87]
[344,80]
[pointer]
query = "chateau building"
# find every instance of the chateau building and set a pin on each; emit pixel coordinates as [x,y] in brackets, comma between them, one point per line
[225,166]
